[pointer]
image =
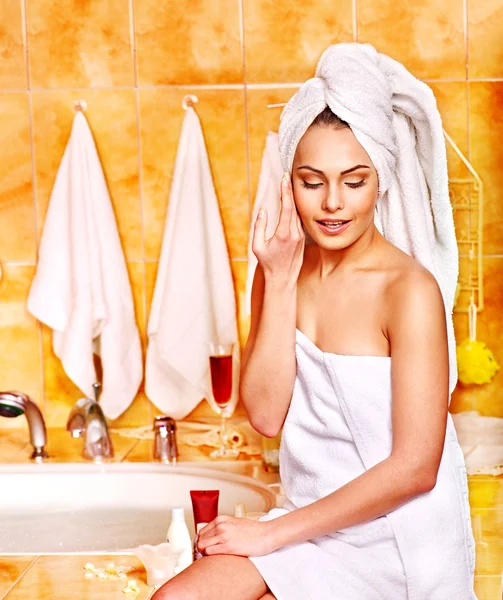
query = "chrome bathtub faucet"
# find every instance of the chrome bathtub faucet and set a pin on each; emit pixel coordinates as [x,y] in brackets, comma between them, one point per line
[165,447]
[88,421]
[14,404]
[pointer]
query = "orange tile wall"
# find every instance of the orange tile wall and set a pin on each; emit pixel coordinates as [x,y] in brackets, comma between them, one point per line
[134,60]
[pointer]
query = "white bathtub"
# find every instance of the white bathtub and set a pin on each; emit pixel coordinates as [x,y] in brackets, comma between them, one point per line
[481,439]
[108,508]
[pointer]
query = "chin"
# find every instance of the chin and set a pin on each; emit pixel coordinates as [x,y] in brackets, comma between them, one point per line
[337,242]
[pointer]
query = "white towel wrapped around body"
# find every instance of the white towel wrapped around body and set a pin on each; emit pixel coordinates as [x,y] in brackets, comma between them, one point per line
[81,287]
[395,118]
[194,301]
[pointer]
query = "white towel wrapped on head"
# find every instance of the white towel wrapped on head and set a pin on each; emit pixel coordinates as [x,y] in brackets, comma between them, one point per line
[395,118]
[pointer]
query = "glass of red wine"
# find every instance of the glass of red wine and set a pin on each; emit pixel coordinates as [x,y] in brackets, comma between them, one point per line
[221,385]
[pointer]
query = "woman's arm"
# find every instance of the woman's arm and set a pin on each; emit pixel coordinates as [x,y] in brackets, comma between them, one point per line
[420,374]
[268,367]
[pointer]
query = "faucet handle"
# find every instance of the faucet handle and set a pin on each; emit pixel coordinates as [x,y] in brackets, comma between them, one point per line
[165,447]
[96,389]
[14,404]
[88,421]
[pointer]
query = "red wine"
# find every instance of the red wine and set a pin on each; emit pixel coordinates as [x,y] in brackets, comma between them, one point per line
[221,378]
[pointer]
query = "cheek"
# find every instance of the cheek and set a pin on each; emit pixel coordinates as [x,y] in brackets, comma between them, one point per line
[302,201]
[365,203]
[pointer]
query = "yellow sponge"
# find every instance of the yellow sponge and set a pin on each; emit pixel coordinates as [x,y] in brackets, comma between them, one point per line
[476,363]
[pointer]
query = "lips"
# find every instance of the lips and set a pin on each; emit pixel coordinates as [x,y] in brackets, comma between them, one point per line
[332,221]
[333,226]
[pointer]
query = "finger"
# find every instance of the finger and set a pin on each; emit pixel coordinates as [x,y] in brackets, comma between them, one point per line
[206,543]
[259,228]
[210,530]
[222,519]
[207,530]
[285,215]
[298,223]
[295,213]
[218,549]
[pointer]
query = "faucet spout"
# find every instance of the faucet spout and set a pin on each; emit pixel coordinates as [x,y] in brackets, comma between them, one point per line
[14,404]
[88,421]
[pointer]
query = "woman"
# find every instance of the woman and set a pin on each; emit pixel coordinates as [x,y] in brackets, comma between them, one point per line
[350,351]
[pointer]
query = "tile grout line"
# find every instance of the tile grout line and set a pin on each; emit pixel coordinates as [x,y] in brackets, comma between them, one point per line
[355,20]
[468,156]
[242,35]
[129,450]
[465,36]
[467,92]
[28,91]
[245,101]
[140,188]
[229,86]
[19,578]
[23,263]
[467,60]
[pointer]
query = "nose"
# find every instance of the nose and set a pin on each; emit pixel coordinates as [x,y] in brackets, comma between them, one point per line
[333,200]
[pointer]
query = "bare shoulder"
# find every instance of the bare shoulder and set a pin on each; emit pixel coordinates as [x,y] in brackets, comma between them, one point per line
[412,292]
[412,281]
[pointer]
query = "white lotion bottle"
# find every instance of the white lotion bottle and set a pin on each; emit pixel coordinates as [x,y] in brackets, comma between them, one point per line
[179,536]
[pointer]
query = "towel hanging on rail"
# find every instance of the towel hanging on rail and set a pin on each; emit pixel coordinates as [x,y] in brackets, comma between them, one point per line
[81,288]
[194,300]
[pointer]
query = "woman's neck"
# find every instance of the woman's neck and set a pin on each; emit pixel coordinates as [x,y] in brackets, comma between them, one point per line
[327,261]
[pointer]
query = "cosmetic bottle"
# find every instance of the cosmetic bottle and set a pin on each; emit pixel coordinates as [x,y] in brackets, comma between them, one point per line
[205,507]
[179,537]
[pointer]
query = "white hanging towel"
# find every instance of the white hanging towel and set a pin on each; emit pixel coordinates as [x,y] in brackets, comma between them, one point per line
[194,300]
[268,196]
[81,288]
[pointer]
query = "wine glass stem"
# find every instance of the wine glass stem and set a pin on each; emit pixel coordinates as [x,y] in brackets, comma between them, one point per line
[222,429]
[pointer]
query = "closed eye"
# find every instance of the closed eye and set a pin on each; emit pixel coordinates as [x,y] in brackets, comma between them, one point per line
[356,185]
[314,186]
[311,186]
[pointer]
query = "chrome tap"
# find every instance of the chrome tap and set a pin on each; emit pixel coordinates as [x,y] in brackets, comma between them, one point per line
[165,448]
[14,404]
[87,420]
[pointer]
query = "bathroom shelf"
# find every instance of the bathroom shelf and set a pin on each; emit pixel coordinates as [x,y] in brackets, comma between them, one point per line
[467,199]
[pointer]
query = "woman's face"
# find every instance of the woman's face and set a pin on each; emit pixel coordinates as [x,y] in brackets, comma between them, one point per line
[334,181]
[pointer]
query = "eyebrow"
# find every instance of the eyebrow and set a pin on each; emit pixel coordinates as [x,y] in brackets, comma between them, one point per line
[342,172]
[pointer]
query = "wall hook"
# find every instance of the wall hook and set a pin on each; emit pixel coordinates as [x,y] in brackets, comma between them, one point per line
[189,100]
[79,105]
